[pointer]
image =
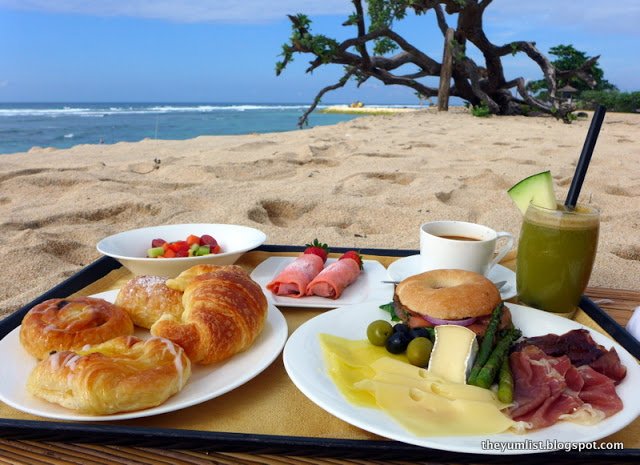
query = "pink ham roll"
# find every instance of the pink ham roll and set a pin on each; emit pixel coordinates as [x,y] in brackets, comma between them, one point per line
[334,279]
[293,280]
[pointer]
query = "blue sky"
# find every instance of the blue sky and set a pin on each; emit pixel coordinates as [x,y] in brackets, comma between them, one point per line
[225,51]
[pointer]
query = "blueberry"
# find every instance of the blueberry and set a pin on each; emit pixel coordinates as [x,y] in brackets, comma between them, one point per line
[401,328]
[420,332]
[398,342]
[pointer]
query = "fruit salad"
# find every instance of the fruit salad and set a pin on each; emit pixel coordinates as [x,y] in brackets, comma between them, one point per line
[192,246]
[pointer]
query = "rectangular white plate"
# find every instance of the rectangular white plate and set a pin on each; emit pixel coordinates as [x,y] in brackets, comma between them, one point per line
[368,286]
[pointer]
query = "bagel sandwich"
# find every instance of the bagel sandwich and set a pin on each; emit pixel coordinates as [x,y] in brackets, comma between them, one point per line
[448,296]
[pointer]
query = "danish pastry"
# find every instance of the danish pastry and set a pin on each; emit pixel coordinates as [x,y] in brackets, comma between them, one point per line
[146,298]
[224,312]
[120,375]
[67,324]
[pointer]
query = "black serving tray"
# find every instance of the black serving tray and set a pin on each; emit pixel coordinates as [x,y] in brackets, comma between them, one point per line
[167,438]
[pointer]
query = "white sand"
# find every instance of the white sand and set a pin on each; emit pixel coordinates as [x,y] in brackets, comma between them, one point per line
[369,182]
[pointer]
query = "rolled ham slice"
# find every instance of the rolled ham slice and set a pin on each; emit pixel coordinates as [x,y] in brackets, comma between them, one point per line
[293,280]
[334,279]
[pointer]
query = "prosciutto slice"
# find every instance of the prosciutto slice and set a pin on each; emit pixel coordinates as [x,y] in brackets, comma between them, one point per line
[293,280]
[581,349]
[334,279]
[548,389]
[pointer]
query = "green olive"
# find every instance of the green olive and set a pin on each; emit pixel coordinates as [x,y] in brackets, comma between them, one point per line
[378,332]
[419,351]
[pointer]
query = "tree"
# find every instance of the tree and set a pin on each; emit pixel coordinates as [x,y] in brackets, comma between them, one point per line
[568,59]
[377,51]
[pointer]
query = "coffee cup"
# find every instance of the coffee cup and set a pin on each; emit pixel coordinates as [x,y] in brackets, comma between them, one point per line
[461,245]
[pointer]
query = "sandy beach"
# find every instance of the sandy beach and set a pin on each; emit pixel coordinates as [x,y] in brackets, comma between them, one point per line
[369,182]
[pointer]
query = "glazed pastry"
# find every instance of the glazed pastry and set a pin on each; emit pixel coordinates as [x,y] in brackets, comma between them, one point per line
[67,324]
[146,298]
[224,312]
[120,375]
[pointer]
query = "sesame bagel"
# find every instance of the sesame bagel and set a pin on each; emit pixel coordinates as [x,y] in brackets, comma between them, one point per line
[448,294]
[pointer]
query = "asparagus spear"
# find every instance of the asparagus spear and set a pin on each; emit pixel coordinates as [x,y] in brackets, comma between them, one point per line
[488,371]
[487,343]
[505,382]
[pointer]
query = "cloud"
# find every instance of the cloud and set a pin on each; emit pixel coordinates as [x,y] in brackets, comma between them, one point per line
[594,16]
[188,11]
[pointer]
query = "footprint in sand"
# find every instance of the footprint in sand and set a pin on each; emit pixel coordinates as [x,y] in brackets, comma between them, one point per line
[68,250]
[249,146]
[34,171]
[314,162]
[471,187]
[278,212]
[623,192]
[264,168]
[121,212]
[627,252]
[378,155]
[368,184]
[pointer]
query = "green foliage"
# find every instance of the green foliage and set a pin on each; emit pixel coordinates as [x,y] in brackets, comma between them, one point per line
[352,20]
[382,13]
[570,58]
[481,110]
[458,50]
[301,39]
[526,109]
[626,102]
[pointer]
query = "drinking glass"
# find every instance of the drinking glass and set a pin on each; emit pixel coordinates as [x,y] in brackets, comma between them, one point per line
[556,251]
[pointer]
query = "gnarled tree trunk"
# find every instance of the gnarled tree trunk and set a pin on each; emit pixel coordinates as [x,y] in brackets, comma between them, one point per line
[478,85]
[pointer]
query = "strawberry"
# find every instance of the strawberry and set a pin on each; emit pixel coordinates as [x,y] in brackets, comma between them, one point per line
[319,249]
[353,255]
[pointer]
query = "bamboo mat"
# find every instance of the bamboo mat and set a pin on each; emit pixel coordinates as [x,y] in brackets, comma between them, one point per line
[618,303]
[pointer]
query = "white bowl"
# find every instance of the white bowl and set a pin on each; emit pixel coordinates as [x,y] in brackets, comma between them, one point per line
[130,247]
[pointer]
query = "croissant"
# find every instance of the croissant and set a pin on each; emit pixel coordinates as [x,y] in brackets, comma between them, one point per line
[146,298]
[67,324]
[120,375]
[224,312]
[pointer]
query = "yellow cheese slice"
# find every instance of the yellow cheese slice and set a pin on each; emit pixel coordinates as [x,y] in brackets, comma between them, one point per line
[425,404]
[454,351]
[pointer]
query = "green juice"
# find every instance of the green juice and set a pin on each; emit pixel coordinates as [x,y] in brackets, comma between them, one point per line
[556,252]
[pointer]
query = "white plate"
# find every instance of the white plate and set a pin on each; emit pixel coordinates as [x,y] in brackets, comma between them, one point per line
[408,266]
[305,365]
[205,383]
[368,286]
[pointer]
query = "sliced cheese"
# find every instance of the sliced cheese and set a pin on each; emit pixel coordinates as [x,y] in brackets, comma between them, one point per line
[425,413]
[454,352]
[424,404]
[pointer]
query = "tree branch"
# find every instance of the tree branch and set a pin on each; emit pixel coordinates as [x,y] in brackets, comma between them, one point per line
[304,119]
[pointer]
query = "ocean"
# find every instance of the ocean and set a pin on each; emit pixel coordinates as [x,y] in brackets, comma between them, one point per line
[63,125]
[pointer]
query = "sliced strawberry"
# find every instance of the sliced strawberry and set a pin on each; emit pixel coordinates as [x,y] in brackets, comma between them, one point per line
[319,249]
[353,255]
[179,246]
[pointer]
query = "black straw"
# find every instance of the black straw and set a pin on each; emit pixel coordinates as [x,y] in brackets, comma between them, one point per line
[585,157]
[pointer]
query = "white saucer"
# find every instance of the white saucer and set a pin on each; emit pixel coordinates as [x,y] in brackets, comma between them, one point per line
[408,266]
